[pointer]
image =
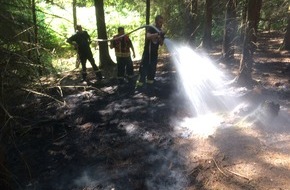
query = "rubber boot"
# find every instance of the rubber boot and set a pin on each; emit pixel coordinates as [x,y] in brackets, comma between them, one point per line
[84,75]
[121,81]
[99,75]
[131,82]
[150,88]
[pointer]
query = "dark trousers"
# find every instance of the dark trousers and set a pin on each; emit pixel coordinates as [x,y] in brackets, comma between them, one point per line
[147,67]
[84,56]
[124,66]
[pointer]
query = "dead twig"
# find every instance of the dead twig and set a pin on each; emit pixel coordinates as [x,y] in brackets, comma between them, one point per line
[80,86]
[4,109]
[231,172]
[42,94]
[219,168]
[60,137]
[239,175]
[60,90]
[4,129]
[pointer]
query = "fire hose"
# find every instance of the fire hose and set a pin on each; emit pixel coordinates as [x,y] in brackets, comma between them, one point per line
[144,26]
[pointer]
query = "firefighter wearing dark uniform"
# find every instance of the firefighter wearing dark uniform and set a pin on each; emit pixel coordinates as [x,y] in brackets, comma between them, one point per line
[81,40]
[148,64]
[122,47]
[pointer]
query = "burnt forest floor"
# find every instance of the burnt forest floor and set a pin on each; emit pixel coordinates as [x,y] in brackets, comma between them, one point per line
[73,136]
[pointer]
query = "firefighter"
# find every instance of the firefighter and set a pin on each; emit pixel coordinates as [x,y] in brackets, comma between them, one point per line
[154,38]
[81,40]
[122,45]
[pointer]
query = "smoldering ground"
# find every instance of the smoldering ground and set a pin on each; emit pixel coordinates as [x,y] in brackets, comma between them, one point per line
[106,138]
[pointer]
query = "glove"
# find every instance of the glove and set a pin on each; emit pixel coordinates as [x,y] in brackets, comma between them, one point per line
[161,34]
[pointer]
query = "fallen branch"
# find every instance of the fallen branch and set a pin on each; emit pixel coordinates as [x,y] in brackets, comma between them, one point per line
[42,94]
[79,86]
[239,175]
[61,93]
[60,137]
[219,168]
[231,172]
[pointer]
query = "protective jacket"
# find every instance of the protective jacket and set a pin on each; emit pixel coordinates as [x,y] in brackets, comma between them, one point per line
[122,46]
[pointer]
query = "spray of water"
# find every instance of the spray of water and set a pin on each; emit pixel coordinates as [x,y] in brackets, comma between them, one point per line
[204,85]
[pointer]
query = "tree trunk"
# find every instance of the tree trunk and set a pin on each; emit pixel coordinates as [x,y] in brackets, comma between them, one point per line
[246,63]
[286,41]
[191,14]
[228,49]
[74,6]
[147,12]
[105,60]
[244,21]
[35,37]
[29,36]
[244,77]
[194,12]
[254,16]
[33,7]
[208,24]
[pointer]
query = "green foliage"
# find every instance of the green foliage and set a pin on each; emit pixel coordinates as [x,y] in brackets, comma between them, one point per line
[15,35]
[85,3]
[23,61]
[274,15]
[55,24]
[120,5]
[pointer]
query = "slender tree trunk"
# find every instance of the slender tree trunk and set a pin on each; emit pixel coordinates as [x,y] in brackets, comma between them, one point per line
[74,6]
[246,62]
[105,60]
[33,7]
[35,37]
[228,49]
[208,24]
[244,20]
[191,14]
[286,41]
[29,36]
[194,12]
[147,12]
[254,16]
